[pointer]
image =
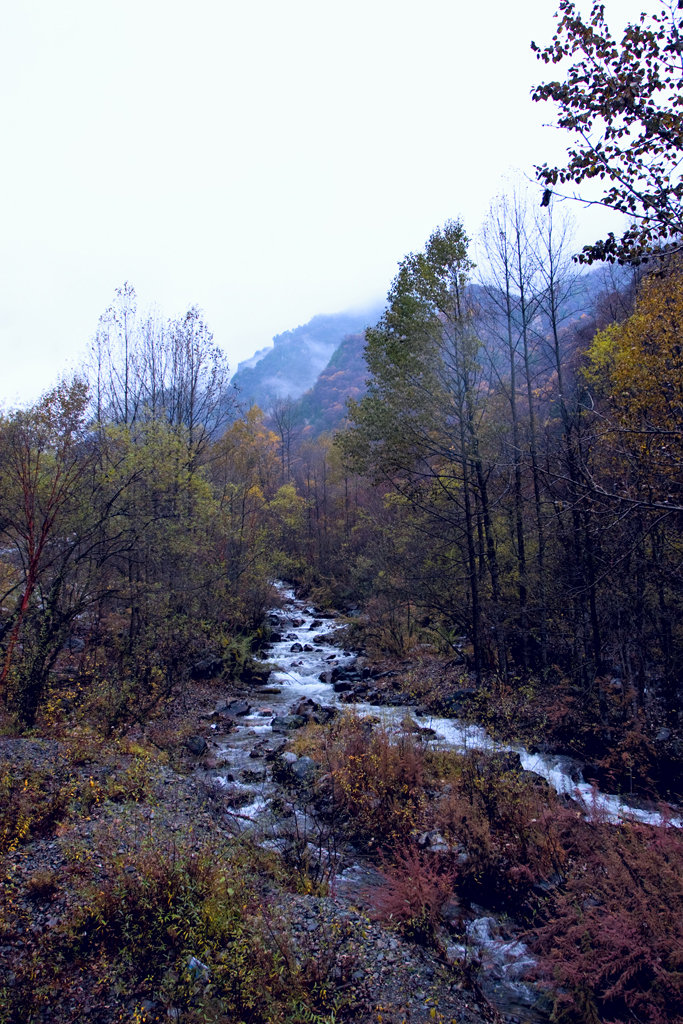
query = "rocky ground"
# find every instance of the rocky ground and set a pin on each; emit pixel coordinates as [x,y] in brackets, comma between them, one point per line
[92,793]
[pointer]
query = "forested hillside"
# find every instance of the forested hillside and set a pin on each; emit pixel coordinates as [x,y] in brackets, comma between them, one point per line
[488,534]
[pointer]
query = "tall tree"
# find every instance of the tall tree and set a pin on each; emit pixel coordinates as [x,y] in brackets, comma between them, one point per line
[145,369]
[418,427]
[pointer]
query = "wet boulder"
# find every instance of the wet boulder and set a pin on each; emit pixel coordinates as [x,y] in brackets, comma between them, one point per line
[287,723]
[197,745]
[282,765]
[256,673]
[296,648]
[303,769]
[237,708]
[313,712]
[343,672]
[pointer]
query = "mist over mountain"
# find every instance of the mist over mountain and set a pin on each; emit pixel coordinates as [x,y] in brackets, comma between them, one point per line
[599,293]
[297,357]
[319,365]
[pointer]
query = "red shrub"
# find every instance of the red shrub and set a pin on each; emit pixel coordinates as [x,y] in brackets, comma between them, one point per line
[416,883]
[614,943]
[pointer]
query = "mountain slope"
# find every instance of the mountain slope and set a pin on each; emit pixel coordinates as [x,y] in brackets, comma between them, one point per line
[297,357]
[598,293]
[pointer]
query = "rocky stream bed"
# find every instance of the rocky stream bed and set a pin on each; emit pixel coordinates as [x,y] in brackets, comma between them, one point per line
[264,790]
[243,780]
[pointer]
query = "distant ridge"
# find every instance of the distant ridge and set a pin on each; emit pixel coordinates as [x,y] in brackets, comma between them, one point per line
[292,366]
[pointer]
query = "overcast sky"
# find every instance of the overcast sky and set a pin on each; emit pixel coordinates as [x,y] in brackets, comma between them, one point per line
[264,160]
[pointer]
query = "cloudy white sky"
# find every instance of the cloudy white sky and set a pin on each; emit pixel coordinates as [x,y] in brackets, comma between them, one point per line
[265,160]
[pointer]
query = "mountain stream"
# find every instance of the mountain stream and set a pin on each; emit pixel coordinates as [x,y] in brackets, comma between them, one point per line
[301,655]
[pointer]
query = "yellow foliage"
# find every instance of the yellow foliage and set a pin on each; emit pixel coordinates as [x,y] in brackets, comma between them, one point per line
[638,367]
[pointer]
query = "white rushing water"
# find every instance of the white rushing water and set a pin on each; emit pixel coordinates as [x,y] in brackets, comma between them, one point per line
[300,678]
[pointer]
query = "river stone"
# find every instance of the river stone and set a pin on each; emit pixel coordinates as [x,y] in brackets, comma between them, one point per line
[434,841]
[256,673]
[304,769]
[296,648]
[287,723]
[268,750]
[196,745]
[312,711]
[238,708]
[454,702]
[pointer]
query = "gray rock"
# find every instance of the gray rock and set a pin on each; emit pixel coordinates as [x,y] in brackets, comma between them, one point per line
[454,702]
[313,712]
[256,673]
[433,840]
[455,953]
[197,970]
[74,644]
[238,708]
[273,750]
[287,723]
[303,769]
[196,745]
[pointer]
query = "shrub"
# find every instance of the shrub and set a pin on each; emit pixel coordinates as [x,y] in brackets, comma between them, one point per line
[189,928]
[31,802]
[506,822]
[612,943]
[416,883]
[377,779]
